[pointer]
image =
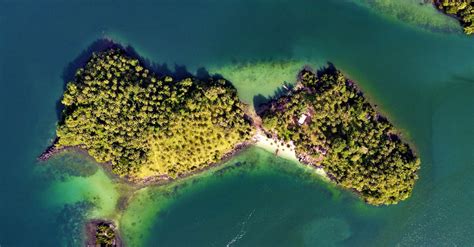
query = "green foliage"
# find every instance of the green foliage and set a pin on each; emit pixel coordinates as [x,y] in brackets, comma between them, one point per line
[210,125]
[413,12]
[120,112]
[462,9]
[358,148]
[105,235]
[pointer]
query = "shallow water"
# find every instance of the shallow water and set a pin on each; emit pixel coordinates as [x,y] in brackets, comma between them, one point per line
[422,80]
[253,203]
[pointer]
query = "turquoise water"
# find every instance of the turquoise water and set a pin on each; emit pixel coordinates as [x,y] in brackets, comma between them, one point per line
[423,80]
[257,200]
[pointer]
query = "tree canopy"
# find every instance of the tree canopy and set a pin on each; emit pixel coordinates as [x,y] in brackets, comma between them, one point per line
[462,9]
[145,125]
[332,125]
[105,235]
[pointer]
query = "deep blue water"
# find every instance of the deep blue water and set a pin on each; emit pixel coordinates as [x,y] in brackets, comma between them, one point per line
[423,81]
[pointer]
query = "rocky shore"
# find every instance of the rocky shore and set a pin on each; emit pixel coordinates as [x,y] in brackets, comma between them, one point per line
[50,151]
[53,150]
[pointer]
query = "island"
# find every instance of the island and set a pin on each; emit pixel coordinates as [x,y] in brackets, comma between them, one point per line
[103,234]
[332,125]
[463,10]
[149,127]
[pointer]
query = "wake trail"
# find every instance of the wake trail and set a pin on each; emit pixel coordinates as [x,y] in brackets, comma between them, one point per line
[242,231]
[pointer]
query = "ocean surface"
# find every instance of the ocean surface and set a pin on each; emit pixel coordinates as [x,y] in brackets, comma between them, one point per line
[420,76]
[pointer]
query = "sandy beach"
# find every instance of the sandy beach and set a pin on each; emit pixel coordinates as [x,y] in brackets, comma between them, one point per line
[281,149]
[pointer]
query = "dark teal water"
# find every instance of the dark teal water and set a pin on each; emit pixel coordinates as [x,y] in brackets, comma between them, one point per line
[423,80]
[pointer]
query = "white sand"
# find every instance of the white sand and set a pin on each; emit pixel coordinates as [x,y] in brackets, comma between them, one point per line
[262,141]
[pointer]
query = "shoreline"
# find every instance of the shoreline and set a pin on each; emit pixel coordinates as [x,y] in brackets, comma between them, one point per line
[286,151]
[52,151]
[259,139]
[165,179]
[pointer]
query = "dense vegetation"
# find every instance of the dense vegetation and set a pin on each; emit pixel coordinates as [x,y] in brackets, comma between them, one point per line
[144,125]
[462,9]
[105,235]
[358,148]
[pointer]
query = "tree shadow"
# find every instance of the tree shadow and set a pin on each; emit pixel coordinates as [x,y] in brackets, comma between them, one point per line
[262,102]
[80,61]
[328,69]
[69,72]
[178,72]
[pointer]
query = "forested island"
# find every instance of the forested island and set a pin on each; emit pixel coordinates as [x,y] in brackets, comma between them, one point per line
[463,10]
[147,126]
[103,234]
[333,126]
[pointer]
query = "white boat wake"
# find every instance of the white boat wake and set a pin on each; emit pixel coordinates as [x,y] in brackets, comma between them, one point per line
[242,231]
